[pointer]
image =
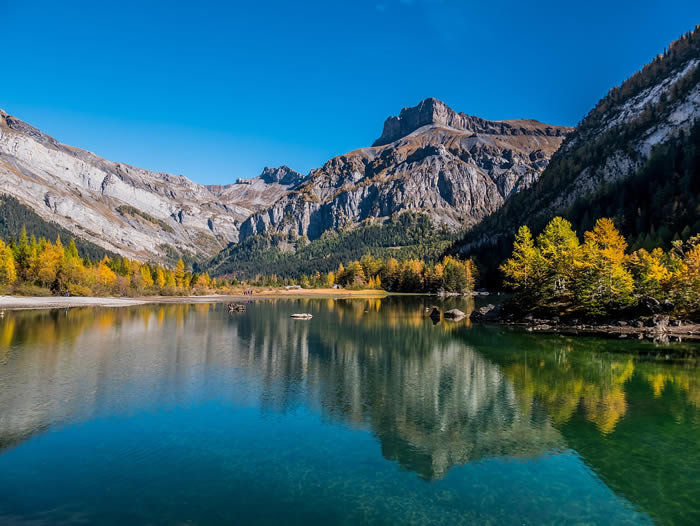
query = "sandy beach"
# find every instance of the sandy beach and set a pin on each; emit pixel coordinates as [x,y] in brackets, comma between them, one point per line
[60,302]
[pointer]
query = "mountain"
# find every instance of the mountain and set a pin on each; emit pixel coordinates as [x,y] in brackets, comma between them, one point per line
[453,167]
[634,157]
[139,213]
[434,112]
[250,195]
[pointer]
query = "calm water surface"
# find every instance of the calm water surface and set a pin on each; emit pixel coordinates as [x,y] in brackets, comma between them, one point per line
[368,413]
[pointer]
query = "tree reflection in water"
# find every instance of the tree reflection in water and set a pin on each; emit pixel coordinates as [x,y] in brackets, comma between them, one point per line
[435,396]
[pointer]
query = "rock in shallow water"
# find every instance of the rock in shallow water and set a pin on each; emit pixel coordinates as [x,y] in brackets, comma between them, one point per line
[454,314]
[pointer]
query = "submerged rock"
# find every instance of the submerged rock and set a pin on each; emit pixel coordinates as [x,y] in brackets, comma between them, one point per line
[489,313]
[661,323]
[454,314]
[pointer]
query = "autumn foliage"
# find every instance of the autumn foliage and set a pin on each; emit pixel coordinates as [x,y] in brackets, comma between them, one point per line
[31,266]
[410,275]
[556,272]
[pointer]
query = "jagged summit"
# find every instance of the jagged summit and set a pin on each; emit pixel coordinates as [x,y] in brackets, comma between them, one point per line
[281,175]
[432,111]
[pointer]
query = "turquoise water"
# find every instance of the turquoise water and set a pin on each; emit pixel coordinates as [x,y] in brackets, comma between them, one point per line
[367,414]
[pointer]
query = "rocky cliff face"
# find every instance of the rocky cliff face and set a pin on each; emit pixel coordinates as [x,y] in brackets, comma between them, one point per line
[131,211]
[454,167]
[432,111]
[251,195]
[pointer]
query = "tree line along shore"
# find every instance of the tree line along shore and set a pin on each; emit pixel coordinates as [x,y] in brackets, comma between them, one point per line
[552,274]
[556,274]
[40,267]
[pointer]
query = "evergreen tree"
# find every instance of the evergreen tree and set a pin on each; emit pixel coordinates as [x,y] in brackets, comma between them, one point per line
[650,273]
[146,277]
[22,254]
[105,276]
[160,278]
[8,272]
[686,276]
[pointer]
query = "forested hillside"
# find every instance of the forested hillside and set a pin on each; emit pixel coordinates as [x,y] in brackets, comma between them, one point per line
[657,205]
[404,236]
[14,215]
[634,158]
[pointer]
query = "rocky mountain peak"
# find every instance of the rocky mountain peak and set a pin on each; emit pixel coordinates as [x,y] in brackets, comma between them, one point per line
[454,177]
[281,175]
[428,111]
[432,111]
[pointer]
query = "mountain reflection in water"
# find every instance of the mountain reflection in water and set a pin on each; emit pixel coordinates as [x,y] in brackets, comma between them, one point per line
[435,396]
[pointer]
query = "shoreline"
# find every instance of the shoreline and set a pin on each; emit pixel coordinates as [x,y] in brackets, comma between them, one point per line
[61,302]
[657,327]
[686,332]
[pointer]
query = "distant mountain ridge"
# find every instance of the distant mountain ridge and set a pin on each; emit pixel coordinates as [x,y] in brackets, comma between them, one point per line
[127,210]
[454,167]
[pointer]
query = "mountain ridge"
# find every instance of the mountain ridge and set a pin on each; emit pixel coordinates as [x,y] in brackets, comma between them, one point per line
[432,111]
[87,194]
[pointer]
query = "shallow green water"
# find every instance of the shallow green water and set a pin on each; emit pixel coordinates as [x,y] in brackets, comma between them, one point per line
[368,413]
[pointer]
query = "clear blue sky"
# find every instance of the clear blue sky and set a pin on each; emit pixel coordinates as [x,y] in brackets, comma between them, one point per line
[218,92]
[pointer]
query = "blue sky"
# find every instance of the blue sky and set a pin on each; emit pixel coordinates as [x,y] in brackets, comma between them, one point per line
[216,92]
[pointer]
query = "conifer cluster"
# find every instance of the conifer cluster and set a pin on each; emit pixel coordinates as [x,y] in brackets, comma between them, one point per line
[558,273]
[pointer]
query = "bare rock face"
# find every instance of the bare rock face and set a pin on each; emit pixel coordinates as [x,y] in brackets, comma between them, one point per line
[456,168]
[135,212]
[251,195]
[434,112]
[282,175]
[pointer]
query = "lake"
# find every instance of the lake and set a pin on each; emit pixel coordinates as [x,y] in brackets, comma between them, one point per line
[369,413]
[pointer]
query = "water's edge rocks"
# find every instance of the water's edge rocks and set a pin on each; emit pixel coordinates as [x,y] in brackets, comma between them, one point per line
[660,327]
